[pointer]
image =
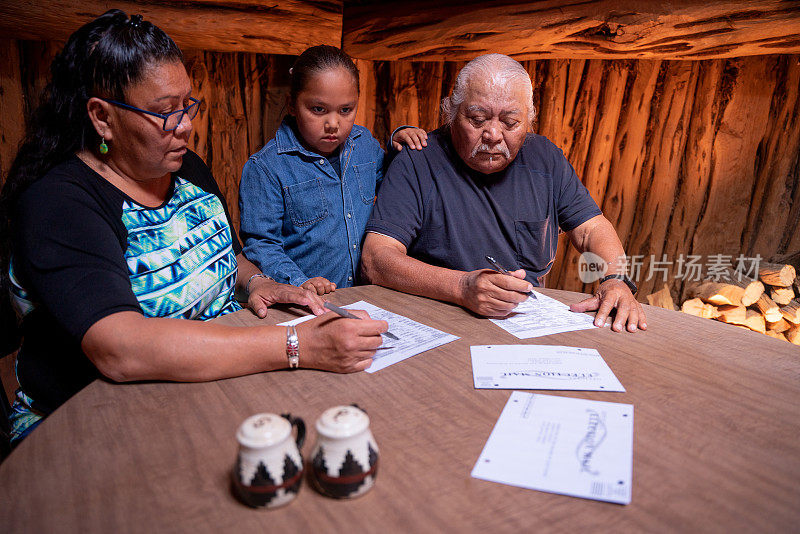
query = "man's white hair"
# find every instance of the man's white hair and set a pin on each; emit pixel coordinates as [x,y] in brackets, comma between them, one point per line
[498,68]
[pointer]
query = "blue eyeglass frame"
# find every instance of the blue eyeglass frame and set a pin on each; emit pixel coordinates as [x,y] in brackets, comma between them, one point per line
[184,111]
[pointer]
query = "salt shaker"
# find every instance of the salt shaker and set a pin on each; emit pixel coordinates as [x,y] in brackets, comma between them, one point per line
[269,467]
[344,461]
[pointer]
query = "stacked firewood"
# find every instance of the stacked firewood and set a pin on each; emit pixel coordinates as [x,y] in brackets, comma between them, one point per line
[769,304]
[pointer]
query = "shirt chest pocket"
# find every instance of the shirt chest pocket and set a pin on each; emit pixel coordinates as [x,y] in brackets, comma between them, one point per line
[305,202]
[536,245]
[365,175]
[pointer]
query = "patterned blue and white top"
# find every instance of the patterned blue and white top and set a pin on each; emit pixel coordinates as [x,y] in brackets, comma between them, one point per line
[83,250]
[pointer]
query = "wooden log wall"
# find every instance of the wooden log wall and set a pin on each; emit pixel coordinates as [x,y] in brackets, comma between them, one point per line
[684,157]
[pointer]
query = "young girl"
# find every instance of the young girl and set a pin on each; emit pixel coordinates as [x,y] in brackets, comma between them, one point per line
[306,196]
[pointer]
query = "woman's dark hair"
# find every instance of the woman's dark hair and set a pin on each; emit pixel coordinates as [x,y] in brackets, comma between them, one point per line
[317,59]
[102,58]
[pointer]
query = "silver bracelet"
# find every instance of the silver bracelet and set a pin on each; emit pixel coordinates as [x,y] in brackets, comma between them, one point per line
[257,275]
[292,347]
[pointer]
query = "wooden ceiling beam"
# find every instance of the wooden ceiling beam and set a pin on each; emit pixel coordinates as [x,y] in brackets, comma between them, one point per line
[588,29]
[279,27]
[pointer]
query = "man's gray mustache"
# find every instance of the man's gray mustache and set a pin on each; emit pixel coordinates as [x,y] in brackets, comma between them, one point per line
[486,148]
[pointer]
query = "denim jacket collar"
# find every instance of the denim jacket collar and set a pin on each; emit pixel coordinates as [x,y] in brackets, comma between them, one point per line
[287,141]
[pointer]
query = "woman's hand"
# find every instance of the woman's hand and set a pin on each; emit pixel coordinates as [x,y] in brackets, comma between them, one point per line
[319,285]
[415,138]
[332,343]
[265,292]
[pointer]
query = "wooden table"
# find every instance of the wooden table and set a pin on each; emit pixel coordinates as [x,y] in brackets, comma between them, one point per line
[716,448]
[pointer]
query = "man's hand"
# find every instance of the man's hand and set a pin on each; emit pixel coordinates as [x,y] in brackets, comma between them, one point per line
[319,285]
[415,138]
[265,292]
[492,294]
[614,294]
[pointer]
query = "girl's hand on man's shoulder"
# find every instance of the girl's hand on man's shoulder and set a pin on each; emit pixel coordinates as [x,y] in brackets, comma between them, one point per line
[415,138]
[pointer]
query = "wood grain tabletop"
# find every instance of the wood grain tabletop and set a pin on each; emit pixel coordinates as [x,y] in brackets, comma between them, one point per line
[716,449]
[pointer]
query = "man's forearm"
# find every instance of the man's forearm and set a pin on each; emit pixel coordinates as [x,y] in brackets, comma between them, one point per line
[388,267]
[599,237]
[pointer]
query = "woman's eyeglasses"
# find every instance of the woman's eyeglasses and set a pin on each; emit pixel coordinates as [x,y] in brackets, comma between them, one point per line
[171,120]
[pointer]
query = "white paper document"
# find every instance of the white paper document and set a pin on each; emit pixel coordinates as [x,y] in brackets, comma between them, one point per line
[414,337]
[541,317]
[541,367]
[560,445]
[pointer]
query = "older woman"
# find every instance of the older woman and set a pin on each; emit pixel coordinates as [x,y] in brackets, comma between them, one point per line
[114,234]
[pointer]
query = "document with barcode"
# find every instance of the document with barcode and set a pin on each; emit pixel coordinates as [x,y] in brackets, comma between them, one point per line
[573,447]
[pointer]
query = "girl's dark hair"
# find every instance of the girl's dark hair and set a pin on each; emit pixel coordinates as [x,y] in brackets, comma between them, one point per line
[102,58]
[317,59]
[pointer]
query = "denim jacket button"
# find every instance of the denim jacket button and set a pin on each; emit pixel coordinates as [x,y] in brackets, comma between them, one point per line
[349,215]
[322,162]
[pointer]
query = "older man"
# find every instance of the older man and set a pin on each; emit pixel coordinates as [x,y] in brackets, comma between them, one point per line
[484,186]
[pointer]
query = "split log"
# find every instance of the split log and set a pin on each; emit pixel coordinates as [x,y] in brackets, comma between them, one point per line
[779,326]
[752,288]
[768,309]
[662,298]
[717,293]
[776,335]
[741,316]
[776,274]
[698,308]
[793,335]
[781,295]
[733,314]
[528,29]
[223,25]
[791,312]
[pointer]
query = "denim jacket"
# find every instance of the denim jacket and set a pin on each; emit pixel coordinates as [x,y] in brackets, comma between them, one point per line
[299,219]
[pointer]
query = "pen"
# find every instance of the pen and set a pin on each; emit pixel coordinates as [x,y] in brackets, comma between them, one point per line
[346,314]
[500,269]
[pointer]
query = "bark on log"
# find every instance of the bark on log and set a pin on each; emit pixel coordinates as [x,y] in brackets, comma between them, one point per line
[775,274]
[195,61]
[365,113]
[742,126]
[662,298]
[662,168]
[288,27]
[752,288]
[768,309]
[229,141]
[462,29]
[698,308]
[770,230]
[791,312]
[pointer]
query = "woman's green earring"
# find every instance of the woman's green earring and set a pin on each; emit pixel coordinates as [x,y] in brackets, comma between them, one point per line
[103,146]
